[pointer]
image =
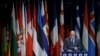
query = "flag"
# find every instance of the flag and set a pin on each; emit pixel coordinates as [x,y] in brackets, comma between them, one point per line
[24,18]
[4,41]
[77,25]
[36,46]
[46,21]
[34,35]
[85,29]
[41,37]
[9,32]
[45,29]
[20,41]
[61,26]
[29,32]
[17,30]
[54,45]
[8,41]
[9,38]
[13,30]
[92,38]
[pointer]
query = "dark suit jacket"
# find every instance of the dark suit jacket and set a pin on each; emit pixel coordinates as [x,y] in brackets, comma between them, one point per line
[68,45]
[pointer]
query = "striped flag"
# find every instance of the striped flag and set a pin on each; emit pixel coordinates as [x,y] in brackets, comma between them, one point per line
[55,45]
[14,39]
[44,28]
[85,29]
[36,47]
[41,37]
[61,26]
[77,25]
[29,32]
[92,30]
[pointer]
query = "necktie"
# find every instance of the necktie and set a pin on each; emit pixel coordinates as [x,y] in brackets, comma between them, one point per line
[72,40]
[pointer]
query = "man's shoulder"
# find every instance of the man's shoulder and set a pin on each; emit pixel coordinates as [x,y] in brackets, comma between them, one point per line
[77,39]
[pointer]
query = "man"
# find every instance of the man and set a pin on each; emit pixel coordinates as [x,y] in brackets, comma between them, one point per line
[72,43]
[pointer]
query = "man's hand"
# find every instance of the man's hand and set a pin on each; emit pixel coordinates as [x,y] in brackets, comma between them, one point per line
[76,48]
[69,50]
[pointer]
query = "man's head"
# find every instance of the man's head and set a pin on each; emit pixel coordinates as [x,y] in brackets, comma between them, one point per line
[72,33]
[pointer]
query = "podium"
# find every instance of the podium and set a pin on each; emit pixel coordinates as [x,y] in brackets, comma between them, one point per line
[80,53]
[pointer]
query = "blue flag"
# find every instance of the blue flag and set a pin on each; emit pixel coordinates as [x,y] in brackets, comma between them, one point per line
[92,30]
[77,25]
[41,37]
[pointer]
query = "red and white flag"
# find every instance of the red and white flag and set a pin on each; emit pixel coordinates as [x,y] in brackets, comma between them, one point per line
[29,32]
[61,25]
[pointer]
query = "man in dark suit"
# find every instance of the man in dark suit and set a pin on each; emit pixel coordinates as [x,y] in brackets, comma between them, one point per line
[72,43]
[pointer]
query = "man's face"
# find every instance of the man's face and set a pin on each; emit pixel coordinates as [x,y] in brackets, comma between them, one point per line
[72,34]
